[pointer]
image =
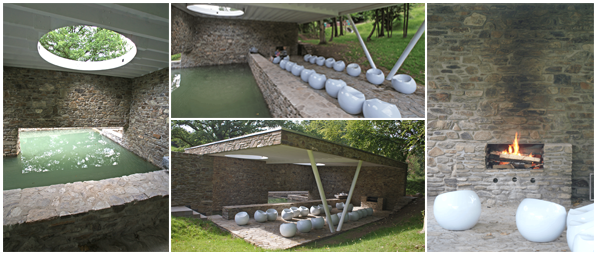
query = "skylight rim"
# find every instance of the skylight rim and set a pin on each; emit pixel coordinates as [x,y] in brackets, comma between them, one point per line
[204,9]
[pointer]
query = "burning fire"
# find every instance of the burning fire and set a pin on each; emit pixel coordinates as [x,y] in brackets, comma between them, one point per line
[513,149]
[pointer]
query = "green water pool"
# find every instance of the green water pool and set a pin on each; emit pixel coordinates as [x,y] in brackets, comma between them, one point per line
[223,91]
[64,156]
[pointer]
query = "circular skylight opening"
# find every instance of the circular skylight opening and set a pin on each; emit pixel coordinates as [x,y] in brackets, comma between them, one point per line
[214,10]
[246,156]
[86,48]
[308,164]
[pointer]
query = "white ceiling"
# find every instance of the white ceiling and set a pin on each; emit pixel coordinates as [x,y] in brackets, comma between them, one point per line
[292,12]
[147,25]
[284,154]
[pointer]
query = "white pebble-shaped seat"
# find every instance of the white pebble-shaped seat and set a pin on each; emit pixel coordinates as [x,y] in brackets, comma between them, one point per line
[330,62]
[296,211]
[457,210]
[584,243]
[351,100]
[304,210]
[345,217]
[584,213]
[287,214]
[312,59]
[369,211]
[317,81]
[540,221]
[306,73]
[277,60]
[335,219]
[260,216]
[333,86]
[317,223]
[340,205]
[320,61]
[339,66]
[283,63]
[578,227]
[354,216]
[353,69]
[315,210]
[288,229]
[304,226]
[375,108]
[404,84]
[297,69]
[241,218]
[289,66]
[287,58]
[306,57]
[375,76]
[272,214]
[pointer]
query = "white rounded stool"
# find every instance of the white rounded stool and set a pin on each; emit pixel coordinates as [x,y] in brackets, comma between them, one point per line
[457,210]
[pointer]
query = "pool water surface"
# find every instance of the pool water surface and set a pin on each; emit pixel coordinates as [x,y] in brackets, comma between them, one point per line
[64,156]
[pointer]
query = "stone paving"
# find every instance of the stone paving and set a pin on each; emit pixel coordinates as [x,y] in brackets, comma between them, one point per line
[495,231]
[42,203]
[411,106]
[267,235]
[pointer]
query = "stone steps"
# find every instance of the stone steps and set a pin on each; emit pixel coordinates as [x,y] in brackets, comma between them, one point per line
[182,211]
[402,202]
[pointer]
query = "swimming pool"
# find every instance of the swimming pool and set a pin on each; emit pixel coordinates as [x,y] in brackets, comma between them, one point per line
[221,91]
[68,155]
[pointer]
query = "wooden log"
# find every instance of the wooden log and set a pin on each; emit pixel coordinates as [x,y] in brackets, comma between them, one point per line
[522,158]
[508,166]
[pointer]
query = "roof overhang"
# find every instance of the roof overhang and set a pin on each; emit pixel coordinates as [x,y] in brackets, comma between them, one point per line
[291,12]
[147,25]
[282,146]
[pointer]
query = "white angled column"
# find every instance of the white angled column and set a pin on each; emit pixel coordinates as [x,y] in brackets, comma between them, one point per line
[321,192]
[354,182]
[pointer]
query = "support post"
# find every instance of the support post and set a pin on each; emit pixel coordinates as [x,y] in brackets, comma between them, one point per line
[407,51]
[321,192]
[354,182]
[354,27]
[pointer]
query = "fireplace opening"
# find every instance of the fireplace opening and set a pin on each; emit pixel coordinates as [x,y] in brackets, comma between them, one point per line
[371,199]
[529,156]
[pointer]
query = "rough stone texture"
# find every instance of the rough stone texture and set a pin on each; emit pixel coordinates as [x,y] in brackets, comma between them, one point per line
[40,98]
[192,181]
[496,231]
[228,212]
[214,41]
[67,216]
[287,96]
[148,131]
[243,182]
[528,68]
[267,234]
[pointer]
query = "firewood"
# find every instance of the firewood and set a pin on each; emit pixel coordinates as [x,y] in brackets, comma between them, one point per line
[523,158]
[508,166]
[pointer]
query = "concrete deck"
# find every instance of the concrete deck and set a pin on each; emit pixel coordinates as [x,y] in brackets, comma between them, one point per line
[495,231]
[267,235]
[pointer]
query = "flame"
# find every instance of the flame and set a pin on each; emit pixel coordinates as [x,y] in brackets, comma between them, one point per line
[513,149]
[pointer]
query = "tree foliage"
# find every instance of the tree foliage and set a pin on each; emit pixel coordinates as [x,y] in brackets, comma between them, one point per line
[85,43]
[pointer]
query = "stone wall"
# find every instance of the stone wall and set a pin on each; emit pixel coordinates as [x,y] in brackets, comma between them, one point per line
[244,182]
[148,131]
[192,181]
[41,98]
[181,31]
[67,216]
[498,69]
[216,41]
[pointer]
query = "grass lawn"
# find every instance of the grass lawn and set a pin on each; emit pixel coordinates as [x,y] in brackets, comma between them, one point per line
[386,51]
[176,56]
[195,235]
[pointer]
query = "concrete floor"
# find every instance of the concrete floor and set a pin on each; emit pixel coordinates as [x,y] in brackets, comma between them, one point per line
[267,234]
[495,231]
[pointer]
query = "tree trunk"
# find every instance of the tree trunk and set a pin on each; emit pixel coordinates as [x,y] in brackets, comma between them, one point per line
[406,14]
[341,26]
[382,22]
[332,31]
[373,29]
[321,32]
[389,22]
